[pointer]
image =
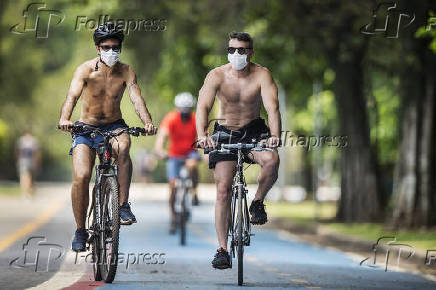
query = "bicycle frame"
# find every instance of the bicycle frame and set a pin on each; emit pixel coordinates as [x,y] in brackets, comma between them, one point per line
[239,193]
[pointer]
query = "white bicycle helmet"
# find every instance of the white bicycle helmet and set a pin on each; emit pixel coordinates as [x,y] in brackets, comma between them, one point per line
[184,100]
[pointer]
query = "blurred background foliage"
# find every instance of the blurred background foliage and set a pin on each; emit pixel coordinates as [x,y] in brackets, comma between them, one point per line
[301,42]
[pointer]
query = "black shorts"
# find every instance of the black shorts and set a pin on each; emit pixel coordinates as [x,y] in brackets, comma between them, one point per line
[245,134]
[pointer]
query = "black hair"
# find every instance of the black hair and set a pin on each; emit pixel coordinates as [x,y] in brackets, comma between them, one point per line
[242,36]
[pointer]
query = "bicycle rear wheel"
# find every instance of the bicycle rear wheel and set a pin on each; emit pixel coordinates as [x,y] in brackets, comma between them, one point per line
[110,228]
[239,239]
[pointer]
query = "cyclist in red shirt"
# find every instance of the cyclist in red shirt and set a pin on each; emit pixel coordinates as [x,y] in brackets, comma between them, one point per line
[179,127]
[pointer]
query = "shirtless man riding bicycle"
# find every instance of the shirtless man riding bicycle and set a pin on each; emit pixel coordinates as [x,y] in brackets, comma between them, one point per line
[241,87]
[100,83]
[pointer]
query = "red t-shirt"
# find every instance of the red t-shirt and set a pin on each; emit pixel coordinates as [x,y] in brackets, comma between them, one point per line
[181,134]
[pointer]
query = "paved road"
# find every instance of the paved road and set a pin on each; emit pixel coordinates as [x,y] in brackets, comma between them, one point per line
[275,260]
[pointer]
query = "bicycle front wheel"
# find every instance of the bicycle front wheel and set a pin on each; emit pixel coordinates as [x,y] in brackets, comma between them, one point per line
[183,217]
[110,228]
[95,242]
[240,243]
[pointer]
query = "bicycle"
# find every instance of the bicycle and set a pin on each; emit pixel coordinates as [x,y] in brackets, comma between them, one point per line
[103,219]
[183,202]
[239,223]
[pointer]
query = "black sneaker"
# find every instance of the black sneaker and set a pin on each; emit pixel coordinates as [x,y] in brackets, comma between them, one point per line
[221,259]
[79,240]
[126,215]
[258,214]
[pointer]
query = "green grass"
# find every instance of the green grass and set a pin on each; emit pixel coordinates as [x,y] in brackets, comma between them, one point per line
[423,240]
[9,189]
[303,212]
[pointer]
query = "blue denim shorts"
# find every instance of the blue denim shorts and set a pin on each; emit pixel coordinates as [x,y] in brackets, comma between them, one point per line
[175,163]
[85,137]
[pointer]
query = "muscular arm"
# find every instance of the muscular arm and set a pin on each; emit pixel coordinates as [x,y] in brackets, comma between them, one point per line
[76,87]
[136,98]
[160,142]
[270,101]
[206,99]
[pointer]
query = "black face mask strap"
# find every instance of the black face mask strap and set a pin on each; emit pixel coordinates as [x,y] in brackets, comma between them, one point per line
[96,66]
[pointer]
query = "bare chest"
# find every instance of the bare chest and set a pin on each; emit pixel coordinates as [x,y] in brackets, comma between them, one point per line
[105,86]
[236,90]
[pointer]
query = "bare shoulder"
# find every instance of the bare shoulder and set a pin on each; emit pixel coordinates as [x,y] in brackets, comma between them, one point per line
[261,71]
[128,73]
[124,67]
[86,67]
[217,73]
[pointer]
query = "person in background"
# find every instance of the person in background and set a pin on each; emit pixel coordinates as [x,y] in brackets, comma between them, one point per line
[28,157]
[179,127]
[145,164]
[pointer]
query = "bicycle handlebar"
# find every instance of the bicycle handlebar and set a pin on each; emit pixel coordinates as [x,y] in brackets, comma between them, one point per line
[261,146]
[135,131]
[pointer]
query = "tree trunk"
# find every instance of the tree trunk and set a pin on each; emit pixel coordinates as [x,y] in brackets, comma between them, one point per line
[414,195]
[415,174]
[359,200]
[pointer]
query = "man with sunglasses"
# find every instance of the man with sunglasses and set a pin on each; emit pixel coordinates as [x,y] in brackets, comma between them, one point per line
[241,87]
[100,83]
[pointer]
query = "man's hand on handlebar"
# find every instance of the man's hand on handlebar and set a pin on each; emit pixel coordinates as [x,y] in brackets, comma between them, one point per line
[66,125]
[206,142]
[150,129]
[161,154]
[273,142]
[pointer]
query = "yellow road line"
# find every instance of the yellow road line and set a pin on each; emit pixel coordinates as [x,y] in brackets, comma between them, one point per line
[251,259]
[285,274]
[299,281]
[31,226]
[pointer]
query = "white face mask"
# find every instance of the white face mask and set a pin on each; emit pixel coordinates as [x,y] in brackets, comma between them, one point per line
[238,61]
[109,57]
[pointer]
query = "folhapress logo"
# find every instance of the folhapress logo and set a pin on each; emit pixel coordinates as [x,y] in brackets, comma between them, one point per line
[38,19]
[38,254]
[388,20]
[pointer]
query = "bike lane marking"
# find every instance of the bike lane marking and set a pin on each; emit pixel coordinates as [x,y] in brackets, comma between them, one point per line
[197,230]
[33,225]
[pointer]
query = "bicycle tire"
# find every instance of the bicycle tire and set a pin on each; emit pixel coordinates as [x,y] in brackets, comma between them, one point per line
[95,245]
[110,192]
[240,247]
[183,219]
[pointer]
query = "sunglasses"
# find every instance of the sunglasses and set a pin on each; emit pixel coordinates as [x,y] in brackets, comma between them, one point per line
[115,48]
[241,50]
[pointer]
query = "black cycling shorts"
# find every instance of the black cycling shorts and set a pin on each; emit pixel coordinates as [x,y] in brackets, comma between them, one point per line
[245,134]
